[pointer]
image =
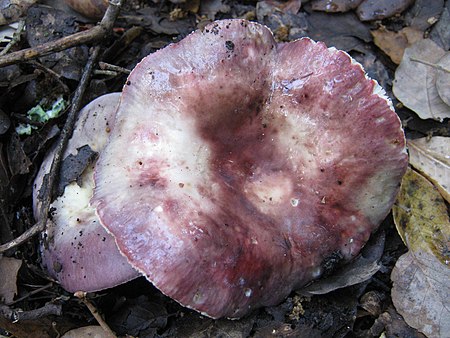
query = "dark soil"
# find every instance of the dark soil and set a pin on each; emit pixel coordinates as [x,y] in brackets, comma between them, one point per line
[137,308]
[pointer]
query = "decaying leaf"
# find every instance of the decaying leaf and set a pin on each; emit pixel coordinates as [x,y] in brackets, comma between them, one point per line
[424,13]
[9,267]
[18,160]
[394,43]
[343,31]
[420,293]
[280,17]
[415,80]
[432,159]
[420,278]
[210,8]
[361,269]
[381,9]
[443,78]
[12,10]
[335,6]
[73,166]
[440,32]
[421,217]
[50,24]
[139,317]
[93,331]
[391,324]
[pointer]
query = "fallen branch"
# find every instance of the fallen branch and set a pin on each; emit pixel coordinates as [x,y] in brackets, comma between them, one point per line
[42,288]
[107,21]
[93,34]
[15,315]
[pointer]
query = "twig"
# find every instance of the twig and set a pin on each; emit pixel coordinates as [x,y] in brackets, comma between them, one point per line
[66,133]
[108,66]
[15,37]
[107,21]
[82,296]
[54,328]
[121,44]
[91,35]
[110,70]
[53,74]
[42,288]
[16,315]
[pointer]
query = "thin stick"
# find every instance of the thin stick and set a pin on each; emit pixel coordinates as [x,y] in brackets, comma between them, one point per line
[66,133]
[16,315]
[15,38]
[42,288]
[82,296]
[91,35]
[108,20]
[53,74]
[114,68]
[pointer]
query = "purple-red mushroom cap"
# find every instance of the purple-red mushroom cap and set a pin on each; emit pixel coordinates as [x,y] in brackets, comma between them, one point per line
[238,166]
[76,250]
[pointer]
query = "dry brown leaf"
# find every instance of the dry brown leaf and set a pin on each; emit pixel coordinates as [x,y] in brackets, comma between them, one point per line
[9,267]
[420,278]
[394,43]
[415,80]
[432,158]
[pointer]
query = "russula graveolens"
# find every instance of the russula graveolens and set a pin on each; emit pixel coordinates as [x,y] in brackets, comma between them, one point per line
[76,249]
[237,166]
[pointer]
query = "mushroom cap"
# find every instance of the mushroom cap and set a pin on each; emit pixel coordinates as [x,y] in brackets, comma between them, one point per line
[76,250]
[238,166]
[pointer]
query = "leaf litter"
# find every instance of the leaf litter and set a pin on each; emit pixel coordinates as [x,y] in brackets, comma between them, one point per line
[314,316]
[395,43]
[421,291]
[432,158]
[9,267]
[415,80]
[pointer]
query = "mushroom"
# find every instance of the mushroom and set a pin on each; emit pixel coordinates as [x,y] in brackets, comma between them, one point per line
[76,249]
[238,167]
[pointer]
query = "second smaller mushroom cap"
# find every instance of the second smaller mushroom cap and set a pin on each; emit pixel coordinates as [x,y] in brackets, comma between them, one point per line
[76,249]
